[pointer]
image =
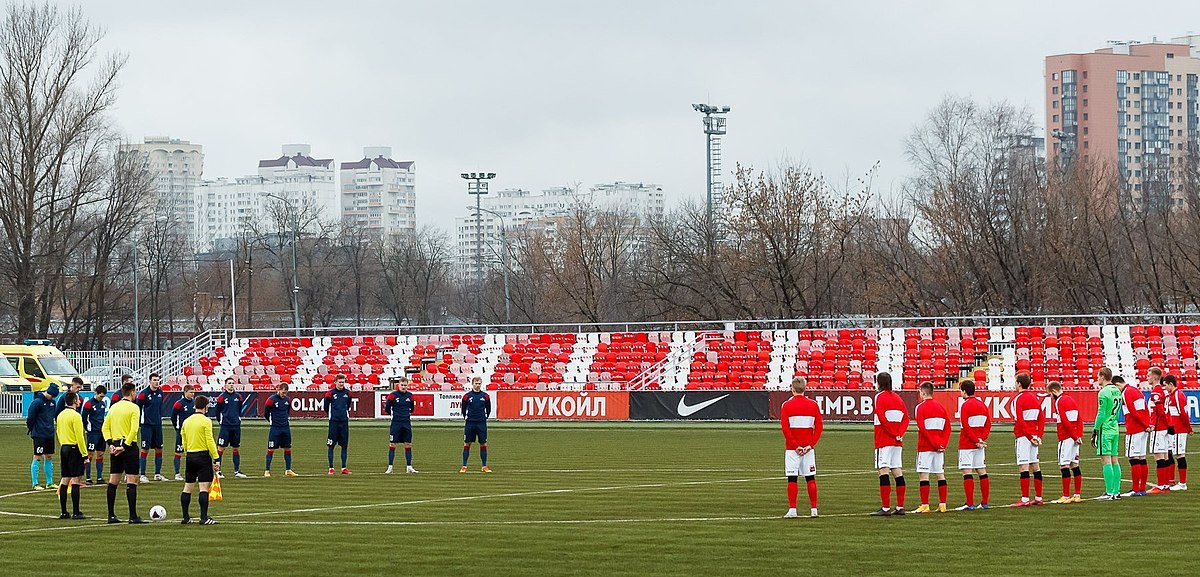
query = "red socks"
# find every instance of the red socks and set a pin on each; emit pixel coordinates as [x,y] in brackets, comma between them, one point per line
[793,490]
[942,488]
[969,489]
[1025,485]
[1078,484]
[1066,486]
[924,492]
[812,493]
[985,488]
[1037,485]
[900,495]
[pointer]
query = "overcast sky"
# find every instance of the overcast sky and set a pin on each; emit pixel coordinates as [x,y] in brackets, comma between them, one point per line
[546,93]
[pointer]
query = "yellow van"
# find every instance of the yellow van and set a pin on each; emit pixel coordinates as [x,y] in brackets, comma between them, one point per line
[11,381]
[41,363]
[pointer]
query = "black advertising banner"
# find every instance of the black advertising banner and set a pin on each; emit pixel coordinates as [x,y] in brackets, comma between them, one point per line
[699,405]
[854,405]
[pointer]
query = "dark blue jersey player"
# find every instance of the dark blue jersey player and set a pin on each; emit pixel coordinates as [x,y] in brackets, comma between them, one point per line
[476,408]
[150,401]
[93,412]
[230,405]
[183,408]
[399,404]
[337,406]
[277,410]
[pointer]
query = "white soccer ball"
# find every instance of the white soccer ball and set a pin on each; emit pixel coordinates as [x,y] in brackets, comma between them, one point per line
[158,513]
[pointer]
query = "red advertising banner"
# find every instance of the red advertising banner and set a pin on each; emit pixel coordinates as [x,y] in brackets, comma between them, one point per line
[308,405]
[851,405]
[1000,404]
[575,405]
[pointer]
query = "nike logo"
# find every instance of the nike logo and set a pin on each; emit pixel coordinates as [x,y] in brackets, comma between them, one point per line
[685,409]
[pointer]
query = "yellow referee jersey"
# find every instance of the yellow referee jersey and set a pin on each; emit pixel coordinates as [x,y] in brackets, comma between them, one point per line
[122,423]
[197,433]
[69,426]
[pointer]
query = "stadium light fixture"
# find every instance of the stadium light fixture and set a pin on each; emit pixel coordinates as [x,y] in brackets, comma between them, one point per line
[477,185]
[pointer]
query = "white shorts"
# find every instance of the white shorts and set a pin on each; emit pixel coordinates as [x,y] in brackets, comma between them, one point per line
[796,465]
[1160,442]
[971,459]
[1135,445]
[1180,444]
[889,458]
[1027,452]
[931,462]
[1068,452]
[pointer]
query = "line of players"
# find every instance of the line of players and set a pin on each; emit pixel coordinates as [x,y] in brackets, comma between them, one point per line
[1163,424]
[127,426]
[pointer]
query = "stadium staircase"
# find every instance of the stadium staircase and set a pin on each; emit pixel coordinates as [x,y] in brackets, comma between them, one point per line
[846,358]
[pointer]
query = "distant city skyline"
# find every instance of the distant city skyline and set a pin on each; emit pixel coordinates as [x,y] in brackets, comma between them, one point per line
[548,94]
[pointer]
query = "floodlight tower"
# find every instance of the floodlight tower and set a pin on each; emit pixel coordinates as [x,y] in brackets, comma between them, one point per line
[714,128]
[477,184]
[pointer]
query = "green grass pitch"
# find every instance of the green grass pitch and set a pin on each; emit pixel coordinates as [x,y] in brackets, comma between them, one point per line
[586,499]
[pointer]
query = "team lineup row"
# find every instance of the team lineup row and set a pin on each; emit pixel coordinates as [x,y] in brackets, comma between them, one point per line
[128,426]
[1161,423]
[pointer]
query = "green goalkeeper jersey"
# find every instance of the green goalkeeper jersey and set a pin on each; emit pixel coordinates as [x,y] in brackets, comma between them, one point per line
[1109,407]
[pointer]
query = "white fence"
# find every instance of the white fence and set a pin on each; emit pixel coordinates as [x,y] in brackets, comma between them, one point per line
[136,360]
[10,406]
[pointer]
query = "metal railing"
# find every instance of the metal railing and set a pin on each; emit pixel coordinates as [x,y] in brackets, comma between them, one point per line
[837,322]
[174,361]
[133,359]
[10,406]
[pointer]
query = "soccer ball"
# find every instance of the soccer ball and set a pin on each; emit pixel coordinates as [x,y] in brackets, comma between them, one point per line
[158,513]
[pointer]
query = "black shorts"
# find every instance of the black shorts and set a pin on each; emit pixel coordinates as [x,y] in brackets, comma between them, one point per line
[95,441]
[43,446]
[127,463]
[475,432]
[339,434]
[198,468]
[279,439]
[152,437]
[71,461]
[400,433]
[230,436]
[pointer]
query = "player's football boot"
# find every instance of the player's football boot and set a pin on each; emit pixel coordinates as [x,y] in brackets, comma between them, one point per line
[209,521]
[899,511]
[983,506]
[882,513]
[1076,499]
[266,473]
[1129,494]
[178,477]
[185,521]
[346,471]
[289,473]
[144,479]
[88,482]
[64,516]
[78,516]
[485,469]
[965,508]
[1104,497]
[137,521]
[113,520]
[159,477]
[388,471]
[38,488]
[1021,503]
[812,513]
[410,469]
[791,514]
[220,475]
[1038,502]
[941,508]
[462,470]
[1157,489]
[921,509]
[331,470]
[1061,501]
[240,475]
[1179,487]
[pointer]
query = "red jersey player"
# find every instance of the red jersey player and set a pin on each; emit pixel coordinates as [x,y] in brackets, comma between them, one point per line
[1177,408]
[891,422]
[933,435]
[1159,429]
[1137,419]
[1070,439]
[1028,428]
[801,421]
[975,424]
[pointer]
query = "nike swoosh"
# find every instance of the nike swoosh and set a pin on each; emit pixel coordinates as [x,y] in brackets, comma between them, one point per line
[685,410]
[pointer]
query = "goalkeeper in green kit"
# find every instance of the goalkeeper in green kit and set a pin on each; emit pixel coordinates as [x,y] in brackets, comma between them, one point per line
[1106,434]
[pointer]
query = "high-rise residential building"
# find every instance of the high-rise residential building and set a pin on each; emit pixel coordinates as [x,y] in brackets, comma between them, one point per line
[379,195]
[177,167]
[229,209]
[514,211]
[1130,108]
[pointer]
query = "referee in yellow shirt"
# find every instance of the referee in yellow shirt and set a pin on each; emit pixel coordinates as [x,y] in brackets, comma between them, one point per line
[69,426]
[197,432]
[121,426]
